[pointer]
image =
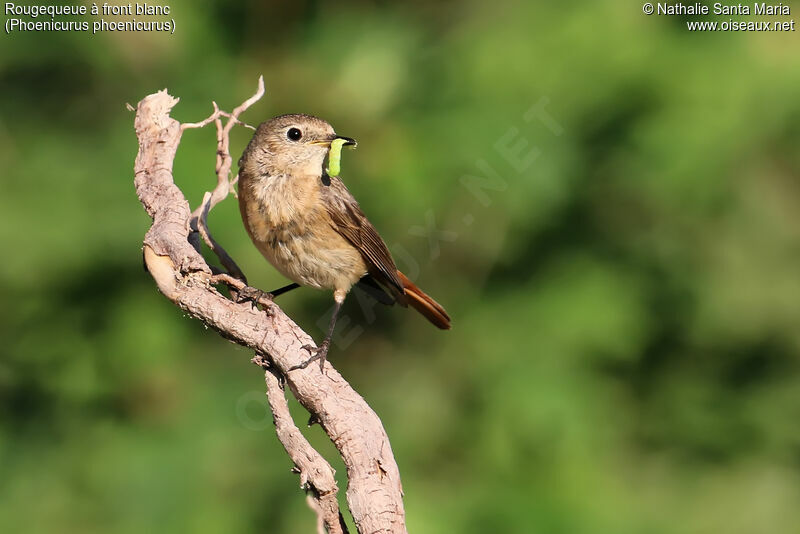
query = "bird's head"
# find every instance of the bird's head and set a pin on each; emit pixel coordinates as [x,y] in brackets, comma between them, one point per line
[293,144]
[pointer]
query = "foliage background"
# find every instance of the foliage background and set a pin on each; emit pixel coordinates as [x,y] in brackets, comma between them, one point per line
[625,355]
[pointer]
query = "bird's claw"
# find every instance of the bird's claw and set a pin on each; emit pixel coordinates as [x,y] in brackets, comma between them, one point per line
[252,294]
[317,353]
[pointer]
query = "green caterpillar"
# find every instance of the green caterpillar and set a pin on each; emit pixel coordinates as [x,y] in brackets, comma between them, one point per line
[335,157]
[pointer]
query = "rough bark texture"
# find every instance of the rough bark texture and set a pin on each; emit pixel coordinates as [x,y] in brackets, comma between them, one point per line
[374,492]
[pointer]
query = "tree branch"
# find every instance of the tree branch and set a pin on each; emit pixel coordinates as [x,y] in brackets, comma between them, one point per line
[316,474]
[199,220]
[374,492]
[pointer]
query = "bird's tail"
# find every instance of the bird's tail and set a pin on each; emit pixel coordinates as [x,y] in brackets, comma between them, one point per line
[424,304]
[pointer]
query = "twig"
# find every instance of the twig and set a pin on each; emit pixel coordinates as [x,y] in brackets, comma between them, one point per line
[205,122]
[374,491]
[199,221]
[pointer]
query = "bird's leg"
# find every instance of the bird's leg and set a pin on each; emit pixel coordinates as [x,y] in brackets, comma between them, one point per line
[284,289]
[321,352]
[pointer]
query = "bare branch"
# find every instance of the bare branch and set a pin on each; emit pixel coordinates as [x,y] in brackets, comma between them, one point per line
[199,219]
[211,118]
[250,101]
[374,492]
[316,474]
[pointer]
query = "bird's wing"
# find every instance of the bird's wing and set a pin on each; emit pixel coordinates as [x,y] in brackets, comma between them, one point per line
[351,223]
[368,285]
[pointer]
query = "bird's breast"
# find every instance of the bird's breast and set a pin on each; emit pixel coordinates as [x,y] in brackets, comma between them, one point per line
[289,224]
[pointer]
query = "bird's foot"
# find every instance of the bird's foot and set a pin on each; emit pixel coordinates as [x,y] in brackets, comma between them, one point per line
[241,292]
[317,353]
[254,295]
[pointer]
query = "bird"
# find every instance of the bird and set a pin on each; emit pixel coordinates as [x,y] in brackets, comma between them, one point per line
[310,227]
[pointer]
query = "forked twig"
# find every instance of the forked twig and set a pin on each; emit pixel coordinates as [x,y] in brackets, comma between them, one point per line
[199,220]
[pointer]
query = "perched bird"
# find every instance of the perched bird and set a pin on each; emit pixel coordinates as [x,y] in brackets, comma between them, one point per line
[310,228]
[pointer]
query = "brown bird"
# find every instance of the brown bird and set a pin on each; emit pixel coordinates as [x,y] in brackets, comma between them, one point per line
[310,228]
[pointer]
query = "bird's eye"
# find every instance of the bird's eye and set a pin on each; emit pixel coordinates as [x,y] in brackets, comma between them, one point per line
[294,134]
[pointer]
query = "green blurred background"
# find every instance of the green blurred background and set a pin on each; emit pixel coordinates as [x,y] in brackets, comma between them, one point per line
[625,289]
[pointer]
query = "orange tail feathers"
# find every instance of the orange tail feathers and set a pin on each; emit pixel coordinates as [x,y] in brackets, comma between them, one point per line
[424,304]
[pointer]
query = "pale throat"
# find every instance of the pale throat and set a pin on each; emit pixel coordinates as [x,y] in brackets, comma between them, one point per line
[283,198]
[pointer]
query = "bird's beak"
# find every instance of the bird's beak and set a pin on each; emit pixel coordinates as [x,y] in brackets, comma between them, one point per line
[348,141]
